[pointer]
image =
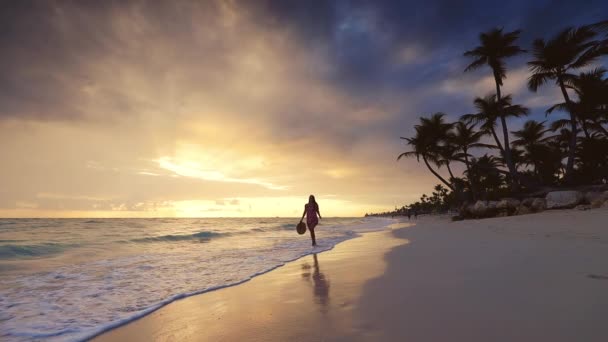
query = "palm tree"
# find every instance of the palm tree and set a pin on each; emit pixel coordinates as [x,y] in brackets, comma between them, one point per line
[531,139]
[495,47]
[447,153]
[592,107]
[464,137]
[431,133]
[484,170]
[555,59]
[592,159]
[489,110]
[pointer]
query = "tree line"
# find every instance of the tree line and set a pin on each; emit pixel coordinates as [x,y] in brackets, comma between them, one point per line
[563,152]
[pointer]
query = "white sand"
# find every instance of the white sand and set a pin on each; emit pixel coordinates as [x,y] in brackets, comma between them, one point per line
[541,277]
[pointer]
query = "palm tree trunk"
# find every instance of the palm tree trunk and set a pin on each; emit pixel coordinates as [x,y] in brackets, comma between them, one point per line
[572,144]
[505,133]
[471,181]
[585,129]
[436,174]
[449,170]
[502,150]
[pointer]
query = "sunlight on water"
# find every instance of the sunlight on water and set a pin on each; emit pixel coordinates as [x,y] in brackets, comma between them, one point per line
[66,279]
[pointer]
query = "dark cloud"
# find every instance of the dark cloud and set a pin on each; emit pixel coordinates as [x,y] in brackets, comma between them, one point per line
[372,48]
[362,37]
[51,50]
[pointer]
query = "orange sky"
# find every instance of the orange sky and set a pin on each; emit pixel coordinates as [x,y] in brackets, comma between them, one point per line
[208,113]
[160,132]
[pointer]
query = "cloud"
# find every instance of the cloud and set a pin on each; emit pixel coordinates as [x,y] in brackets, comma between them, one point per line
[145,107]
[193,171]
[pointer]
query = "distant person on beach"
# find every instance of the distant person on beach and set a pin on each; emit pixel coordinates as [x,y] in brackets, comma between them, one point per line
[409,214]
[311,210]
[415,214]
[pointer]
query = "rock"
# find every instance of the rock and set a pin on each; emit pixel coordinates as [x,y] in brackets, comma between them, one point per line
[527,202]
[491,208]
[583,207]
[522,210]
[563,199]
[597,203]
[457,218]
[478,209]
[507,203]
[483,208]
[538,204]
[593,196]
[464,210]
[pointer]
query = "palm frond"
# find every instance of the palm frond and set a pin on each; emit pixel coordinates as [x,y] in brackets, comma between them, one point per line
[536,80]
[478,63]
[408,154]
[559,106]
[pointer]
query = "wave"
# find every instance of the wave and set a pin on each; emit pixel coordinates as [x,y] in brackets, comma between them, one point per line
[288,226]
[10,251]
[201,236]
[85,336]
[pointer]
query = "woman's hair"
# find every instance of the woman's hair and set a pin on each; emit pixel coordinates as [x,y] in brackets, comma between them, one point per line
[311,199]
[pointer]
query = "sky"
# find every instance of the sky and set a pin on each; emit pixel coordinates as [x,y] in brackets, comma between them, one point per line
[240,108]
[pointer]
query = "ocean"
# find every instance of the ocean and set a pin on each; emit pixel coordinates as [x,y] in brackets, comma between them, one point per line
[70,279]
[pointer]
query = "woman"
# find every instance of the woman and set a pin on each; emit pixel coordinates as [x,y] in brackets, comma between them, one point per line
[311,210]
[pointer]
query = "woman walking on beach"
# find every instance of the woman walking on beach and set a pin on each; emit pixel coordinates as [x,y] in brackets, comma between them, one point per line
[311,210]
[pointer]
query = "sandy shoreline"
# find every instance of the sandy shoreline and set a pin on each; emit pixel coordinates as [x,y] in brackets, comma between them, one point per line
[541,277]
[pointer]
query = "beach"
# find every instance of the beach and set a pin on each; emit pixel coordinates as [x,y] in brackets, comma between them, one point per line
[540,277]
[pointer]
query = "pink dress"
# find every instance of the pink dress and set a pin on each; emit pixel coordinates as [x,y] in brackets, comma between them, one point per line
[311,216]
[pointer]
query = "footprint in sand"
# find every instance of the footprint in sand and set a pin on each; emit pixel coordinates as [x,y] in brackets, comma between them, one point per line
[597,276]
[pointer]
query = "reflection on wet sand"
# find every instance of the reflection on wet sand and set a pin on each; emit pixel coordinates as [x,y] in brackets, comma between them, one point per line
[320,283]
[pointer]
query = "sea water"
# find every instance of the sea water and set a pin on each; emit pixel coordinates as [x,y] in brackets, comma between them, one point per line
[70,279]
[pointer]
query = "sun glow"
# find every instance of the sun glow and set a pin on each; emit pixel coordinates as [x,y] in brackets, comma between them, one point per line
[195,170]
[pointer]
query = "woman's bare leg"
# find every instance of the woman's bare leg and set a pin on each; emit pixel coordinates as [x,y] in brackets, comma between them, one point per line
[312,236]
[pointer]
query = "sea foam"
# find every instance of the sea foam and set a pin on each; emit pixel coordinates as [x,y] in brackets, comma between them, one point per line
[70,281]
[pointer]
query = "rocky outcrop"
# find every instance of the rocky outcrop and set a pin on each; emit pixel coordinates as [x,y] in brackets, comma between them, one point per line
[507,204]
[563,199]
[523,210]
[553,200]
[480,209]
[538,204]
[594,198]
[527,202]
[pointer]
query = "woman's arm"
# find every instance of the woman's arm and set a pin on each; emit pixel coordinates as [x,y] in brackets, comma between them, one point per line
[318,212]
[304,213]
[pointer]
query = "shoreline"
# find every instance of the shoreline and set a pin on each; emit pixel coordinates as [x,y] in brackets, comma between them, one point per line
[526,278]
[142,315]
[329,262]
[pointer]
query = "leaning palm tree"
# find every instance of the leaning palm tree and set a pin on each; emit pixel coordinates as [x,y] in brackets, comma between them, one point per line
[495,47]
[555,59]
[430,135]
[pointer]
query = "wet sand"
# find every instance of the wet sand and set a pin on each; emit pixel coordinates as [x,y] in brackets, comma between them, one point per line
[310,299]
[541,277]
